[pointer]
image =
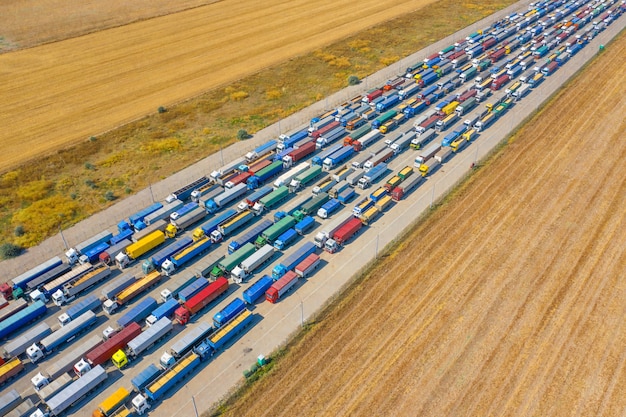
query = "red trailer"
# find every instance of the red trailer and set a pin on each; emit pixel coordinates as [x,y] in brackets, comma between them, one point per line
[373,95]
[319,132]
[202,299]
[345,232]
[280,287]
[500,81]
[259,165]
[104,351]
[308,265]
[497,55]
[242,177]
[468,94]
[429,123]
[489,43]
[302,152]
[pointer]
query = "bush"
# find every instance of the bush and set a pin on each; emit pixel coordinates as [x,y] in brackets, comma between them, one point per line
[19,230]
[109,196]
[89,166]
[128,190]
[92,139]
[353,80]
[90,183]
[9,250]
[242,134]
[162,110]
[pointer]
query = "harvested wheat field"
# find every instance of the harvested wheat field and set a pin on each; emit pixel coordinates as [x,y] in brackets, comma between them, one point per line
[510,300]
[60,93]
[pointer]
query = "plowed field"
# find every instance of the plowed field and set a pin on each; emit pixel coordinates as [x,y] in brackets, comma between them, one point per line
[510,300]
[56,94]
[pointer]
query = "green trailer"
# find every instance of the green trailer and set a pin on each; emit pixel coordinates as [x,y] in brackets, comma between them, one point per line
[381,120]
[305,178]
[501,109]
[359,133]
[234,259]
[270,168]
[273,232]
[275,197]
[310,207]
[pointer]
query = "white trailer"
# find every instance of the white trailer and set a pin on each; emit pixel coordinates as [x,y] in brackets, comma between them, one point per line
[149,337]
[77,390]
[286,178]
[248,265]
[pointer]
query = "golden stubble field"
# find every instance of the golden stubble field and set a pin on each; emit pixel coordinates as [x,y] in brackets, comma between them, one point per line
[509,301]
[60,93]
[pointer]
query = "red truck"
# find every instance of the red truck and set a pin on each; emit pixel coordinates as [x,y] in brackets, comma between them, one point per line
[308,265]
[202,299]
[104,351]
[372,96]
[242,177]
[497,55]
[500,81]
[466,95]
[259,165]
[319,132]
[345,232]
[280,287]
[300,153]
[489,43]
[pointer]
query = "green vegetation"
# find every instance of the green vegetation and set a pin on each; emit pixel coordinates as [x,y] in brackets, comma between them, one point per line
[9,250]
[61,189]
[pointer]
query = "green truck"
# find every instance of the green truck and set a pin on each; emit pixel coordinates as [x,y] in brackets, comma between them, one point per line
[273,232]
[227,264]
[310,207]
[274,198]
[305,178]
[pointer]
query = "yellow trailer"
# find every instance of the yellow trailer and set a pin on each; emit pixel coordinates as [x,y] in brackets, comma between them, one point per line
[115,400]
[145,244]
[450,108]
[370,215]
[383,203]
[138,286]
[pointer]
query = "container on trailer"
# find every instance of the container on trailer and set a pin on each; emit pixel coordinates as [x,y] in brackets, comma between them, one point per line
[285,239]
[193,289]
[166,309]
[23,279]
[256,290]
[229,312]
[20,319]
[9,401]
[74,253]
[66,362]
[329,208]
[18,346]
[319,158]
[349,229]
[149,337]
[145,377]
[77,390]
[214,290]
[274,198]
[292,260]
[90,303]
[304,225]
[307,266]
[281,287]
[65,333]
[104,351]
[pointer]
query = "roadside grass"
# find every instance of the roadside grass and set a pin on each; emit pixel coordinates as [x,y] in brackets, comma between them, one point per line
[71,185]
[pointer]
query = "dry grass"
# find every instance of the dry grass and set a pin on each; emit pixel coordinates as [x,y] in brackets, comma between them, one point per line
[199,126]
[508,301]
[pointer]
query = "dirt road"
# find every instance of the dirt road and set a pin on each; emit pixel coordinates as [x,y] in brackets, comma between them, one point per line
[60,93]
[509,301]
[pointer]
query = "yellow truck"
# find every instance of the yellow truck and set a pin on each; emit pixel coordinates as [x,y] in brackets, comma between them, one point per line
[142,246]
[370,215]
[134,289]
[112,403]
[450,108]
[383,203]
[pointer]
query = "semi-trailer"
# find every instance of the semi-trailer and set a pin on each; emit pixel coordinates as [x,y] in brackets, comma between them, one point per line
[378,194]
[354,178]
[256,290]
[116,286]
[292,260]
[274,198]
[134,219]
[228,313]
[43,279]
[164,254]
[156,389]
[149,337]
[286,178]
[65,334]
[157,225]
[383,203]
[317,133]
[279,288]
[429,166]
[304,225]
[46,388]
[178,260]
[193,289]
[164,212]
[73,288]
[287,140]
[226,265]
[339,220]
[145,377]
[24,409]
[342,173]
[370,215]
[270,234]
[285,240]
[12,308]
[298,154]
[319,158]
[265,174]
[65,363]
[177,285]
[76,391]
[100,354]
[90,303]
[18,346]
[356,135]
[166,309]
[9,401]
[9,369]
[184,221]
[22,318]
[361,206]
[341,236]
[139,248]
[381,157]
[403,142]
[108,256]
[367,140]
[307,266]
[372,175]
[133,290]
[250,236]
[194,305]
[227,169]
[247,266]
[328,208]
[231,194]
[311,206]
[112,403]
[338,188]
[73,254]
[184,192]
[227,227]
[346,195]
[51,287]
[262,150]
[305,178]
[227,332]
[324,186]
[185,343]
[209,227]
[427,154]
[337,158]
[242,177]
[250,201]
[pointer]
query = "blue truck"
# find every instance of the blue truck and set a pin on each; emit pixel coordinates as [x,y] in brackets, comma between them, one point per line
[304,225]
[292,260]
[178,260]
[122,235]
[74,253]
[346,195]
[329,208]
[90,303]
[192,289]
[227,332]
[337,157]
[285,239]
[210,226]
[261,150]
[140,215]
[229,312]
[164,310]
[164,254]
[288,141]
[138,313]
[145,377]
[451,137]
[187,208]
[319,158]
[257,290]
[184,193]
[388,103]
[250,236]
[92,255]
[428,79]
[253,198]
[264,174]
[20,319]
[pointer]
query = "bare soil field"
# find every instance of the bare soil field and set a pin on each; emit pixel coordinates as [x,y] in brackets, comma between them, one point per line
[26,23]
[63,92]
[509,300]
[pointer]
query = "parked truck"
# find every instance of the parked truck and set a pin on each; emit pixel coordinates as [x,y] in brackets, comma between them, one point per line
[22,318]
[372,175]
[274,198]
[229,195]
[210,226]
[403,189]
[305,178]
[9,369]
[46,388]
[90,303]
[250,236]
[256,290]
[9,401]
[324,186]
[292,260]
[164,254]
[270,234]
[342,235]
[229,226]
[165,309]
[18,346]
[73,254]
[193,289]
[185,344]
[194,305]
[279,288]
[247,266]
[139,248]
[76,391]
[73,288]
[183,222]
[335,159]
[133,290]
[112,403]
[232,310]
[149,337]
[298,154]
[329,208]
[178,260]
[226,265]
[164,212]
[321,237]
[250,201]
[319,158]
[307,265]
[100,354]
[108,256]
[230,330]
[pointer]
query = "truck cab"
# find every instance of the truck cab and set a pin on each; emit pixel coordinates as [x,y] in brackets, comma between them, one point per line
[239,274]
[320,239]
[39,381]
[72,256]
[216,236]
[140,404]
[64,319]
[119,359]
[81,367]
[122,260]
[168,268]
[167,361]
[331,246]
[59,298]
[34,353]
[37,295]
[109,307]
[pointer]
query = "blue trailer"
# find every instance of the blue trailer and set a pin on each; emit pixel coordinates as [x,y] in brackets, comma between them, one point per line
[388,103]
[125,234]
[319,158]
[257,290]
[263,175]
[191,252]
[187,208]
[145,377]
[138,313]
[250,236]
[338,157]
[226,333]
[164,310]
[140,215]
[229,312]
[289,141]
[192,289]
[168,379]
[346,195]
[184,193]
[210,226]
[26,277]
[90,303]
[164,254]
[22,318]
[93,254]
[292,260]
[285,239]
[279,155]
[261,150]
[304,225]
[329,208]
[428,79]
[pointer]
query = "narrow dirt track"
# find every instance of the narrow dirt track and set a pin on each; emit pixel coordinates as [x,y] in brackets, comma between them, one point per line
[56,94]
[509,301]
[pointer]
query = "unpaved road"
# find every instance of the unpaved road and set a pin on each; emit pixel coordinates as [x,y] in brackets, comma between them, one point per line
[510,301]
[56,94]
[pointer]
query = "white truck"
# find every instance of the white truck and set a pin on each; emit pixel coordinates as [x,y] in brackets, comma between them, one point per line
[320,238]
[247,266]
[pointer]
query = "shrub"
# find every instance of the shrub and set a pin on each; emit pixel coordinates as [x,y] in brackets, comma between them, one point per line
[90,183]
[238,95]
[19,230]
[162,110]
[89,166]
[9,250]
[242,134]
[73,196]
[128,190]
[92,139]
[109,196]
[353,80]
